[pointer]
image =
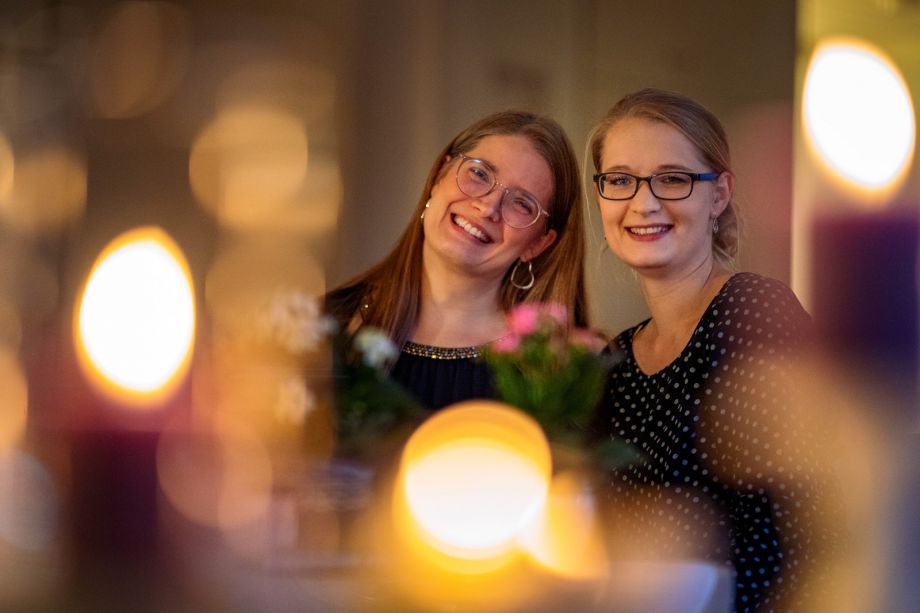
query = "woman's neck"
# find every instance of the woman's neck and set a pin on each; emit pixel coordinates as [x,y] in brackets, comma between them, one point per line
[458,311]
[676,305]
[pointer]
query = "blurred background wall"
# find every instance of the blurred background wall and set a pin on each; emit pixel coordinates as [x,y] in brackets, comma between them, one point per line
[126,90]
[424,70]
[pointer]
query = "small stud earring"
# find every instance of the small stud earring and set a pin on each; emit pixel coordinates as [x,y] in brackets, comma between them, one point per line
[427,204]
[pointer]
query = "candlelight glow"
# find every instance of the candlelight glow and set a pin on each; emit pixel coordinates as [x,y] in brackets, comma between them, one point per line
[472,477]
[135,321]
[858,116]
[565,537]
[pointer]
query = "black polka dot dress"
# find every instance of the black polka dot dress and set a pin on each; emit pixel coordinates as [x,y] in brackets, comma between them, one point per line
[725,473]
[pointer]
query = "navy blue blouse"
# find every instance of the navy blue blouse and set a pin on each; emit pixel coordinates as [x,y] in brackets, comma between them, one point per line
[440,376]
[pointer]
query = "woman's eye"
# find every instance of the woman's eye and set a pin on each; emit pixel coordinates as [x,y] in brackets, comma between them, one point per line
[480,175]
[619,180]
[673,178]
[524,205]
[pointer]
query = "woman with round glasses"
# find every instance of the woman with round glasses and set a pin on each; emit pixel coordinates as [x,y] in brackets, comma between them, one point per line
[498,222]
[703,389]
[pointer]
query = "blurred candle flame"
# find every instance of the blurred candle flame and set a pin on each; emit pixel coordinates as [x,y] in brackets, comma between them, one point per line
[135,320]
[858,117]
[471,478]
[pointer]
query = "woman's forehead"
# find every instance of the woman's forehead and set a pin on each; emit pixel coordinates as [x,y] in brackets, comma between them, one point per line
[638,140]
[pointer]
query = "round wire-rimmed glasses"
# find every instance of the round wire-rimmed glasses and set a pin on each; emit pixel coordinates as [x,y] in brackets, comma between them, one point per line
[476,179]
[671,185]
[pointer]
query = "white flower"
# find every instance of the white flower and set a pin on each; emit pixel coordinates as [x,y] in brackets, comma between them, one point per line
[292,319]
[376,348]
[295,401]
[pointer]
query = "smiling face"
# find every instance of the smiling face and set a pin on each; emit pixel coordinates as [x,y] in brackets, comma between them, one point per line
[659,237]
[467,234]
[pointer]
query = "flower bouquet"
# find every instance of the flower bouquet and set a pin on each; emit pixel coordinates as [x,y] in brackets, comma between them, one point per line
[556,374]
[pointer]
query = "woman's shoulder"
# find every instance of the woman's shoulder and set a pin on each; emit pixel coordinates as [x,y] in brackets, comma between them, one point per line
[753,304]
[752,282]
[752,292]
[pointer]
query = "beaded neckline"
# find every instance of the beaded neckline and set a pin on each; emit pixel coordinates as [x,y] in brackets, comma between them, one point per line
[441,353]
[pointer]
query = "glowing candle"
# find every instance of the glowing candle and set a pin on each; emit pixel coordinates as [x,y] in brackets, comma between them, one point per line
[859,119]
[135,322]
[860,124]
[472,478]
[134,330]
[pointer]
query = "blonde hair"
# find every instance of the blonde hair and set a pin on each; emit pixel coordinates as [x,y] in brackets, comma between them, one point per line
[388,298]
[700,127]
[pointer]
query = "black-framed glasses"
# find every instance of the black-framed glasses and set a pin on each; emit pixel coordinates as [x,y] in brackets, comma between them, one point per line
[664,185]
[518,208]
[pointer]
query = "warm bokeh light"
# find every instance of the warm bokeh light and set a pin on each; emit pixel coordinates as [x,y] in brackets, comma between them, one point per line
[472,477]
[248,164]
[142,51]
[7,166]
[305,88]
[14,400]
[135,320]
[250,272]
[10,323]
[565,537]
[217,473]
[28,502]
[315,210]
[858,116]
[48,189]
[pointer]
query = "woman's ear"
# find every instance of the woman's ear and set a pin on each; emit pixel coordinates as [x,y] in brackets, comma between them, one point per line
[539,245]
[722,194]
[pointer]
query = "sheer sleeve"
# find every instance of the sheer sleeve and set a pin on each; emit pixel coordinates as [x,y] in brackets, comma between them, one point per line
[761,441]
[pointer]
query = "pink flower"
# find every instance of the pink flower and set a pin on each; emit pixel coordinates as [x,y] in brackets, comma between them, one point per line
[557,312]
[507,344]
[523,319]
[588,339]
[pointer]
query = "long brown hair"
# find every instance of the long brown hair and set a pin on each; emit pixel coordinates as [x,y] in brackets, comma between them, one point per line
[388,295]
[701,128]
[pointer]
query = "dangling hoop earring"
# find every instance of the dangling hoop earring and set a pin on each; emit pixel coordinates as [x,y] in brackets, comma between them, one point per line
[427,204]
[522,286]
[715,225]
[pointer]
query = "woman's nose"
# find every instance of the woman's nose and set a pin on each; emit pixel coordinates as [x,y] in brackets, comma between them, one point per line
[490,205]
[644,201]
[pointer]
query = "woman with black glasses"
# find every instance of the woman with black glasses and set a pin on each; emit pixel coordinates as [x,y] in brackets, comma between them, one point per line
[498,222]
[704,388]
